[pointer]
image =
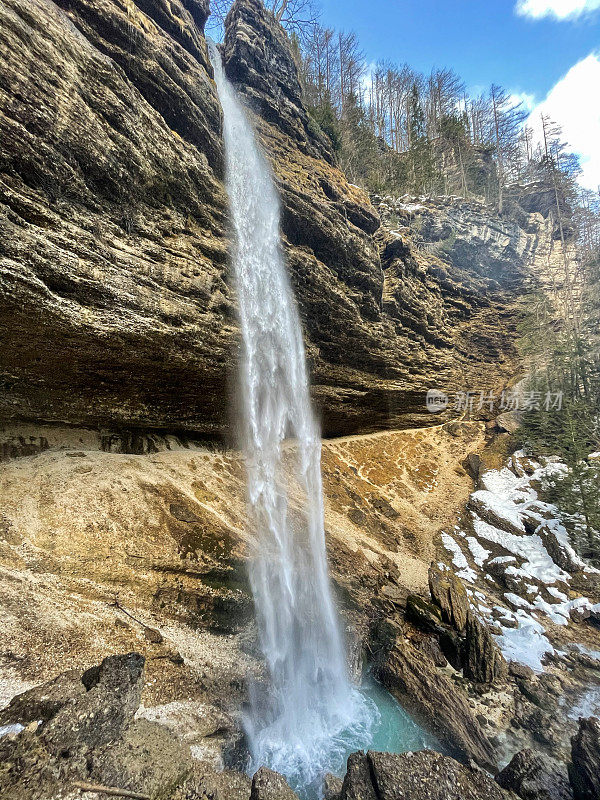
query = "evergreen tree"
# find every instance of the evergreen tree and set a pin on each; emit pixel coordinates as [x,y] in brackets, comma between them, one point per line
[420,155]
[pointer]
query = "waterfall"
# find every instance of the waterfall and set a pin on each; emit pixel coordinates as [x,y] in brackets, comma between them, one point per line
[301,723]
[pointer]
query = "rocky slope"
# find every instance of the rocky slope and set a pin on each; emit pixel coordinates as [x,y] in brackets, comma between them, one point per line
[118,309]
[96,548]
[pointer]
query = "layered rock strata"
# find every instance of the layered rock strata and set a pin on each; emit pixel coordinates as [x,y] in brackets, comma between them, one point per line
[118,308]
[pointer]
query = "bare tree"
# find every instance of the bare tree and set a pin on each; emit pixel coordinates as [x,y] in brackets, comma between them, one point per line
[297,16]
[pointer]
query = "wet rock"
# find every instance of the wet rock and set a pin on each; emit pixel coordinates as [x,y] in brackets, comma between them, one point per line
[498,571]
[448,592]
[332,787]
[358,782]
[483,661]
[584,771]
[412,677]
[534,776]
[269,785]
[469,646]
[415,776]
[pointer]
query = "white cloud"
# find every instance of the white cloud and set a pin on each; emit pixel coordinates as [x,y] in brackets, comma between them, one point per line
[574,103]
[365,83]
[559,9]
[526,100]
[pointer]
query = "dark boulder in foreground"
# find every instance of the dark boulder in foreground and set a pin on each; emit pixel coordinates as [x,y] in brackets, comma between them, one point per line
[81,728]
[415,776]
[78,711]
[534,776]
[585,753]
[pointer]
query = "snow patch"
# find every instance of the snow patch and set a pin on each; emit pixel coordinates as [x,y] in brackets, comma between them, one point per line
[15,727]
[458,559]
[479,553]
[526,644]
[538,564]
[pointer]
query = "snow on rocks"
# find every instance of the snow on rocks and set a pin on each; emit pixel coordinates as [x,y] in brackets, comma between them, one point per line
[497,511]
[556,540]
[527,643]
[536,564]
[479,553]
[521,548]
[458,559]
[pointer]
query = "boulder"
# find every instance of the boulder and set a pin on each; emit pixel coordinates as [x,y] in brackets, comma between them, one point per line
[520,670]
[534,776]
[509,422]
[415,776]
[448,592]
[101,714]
[584,771]
[562,554]
[411,676]
[358,781]
[43,702]
[80,722]
[81,711]
[483,661]
[269,785]
[473,465]
[487,506]
[332,787]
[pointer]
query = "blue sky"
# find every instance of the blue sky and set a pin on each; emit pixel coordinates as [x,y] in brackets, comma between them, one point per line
[484,41]
[548,50]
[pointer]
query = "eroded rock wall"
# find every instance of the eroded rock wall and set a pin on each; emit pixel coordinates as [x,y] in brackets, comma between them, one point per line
[118,308]
[112,268]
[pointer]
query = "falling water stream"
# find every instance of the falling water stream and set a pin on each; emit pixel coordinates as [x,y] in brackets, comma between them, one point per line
[309,716]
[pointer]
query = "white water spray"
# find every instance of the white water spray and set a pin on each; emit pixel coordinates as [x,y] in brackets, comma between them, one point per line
[310,713]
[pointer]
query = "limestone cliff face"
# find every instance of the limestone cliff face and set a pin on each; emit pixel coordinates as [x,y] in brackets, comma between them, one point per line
[385,319]
[118,310]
